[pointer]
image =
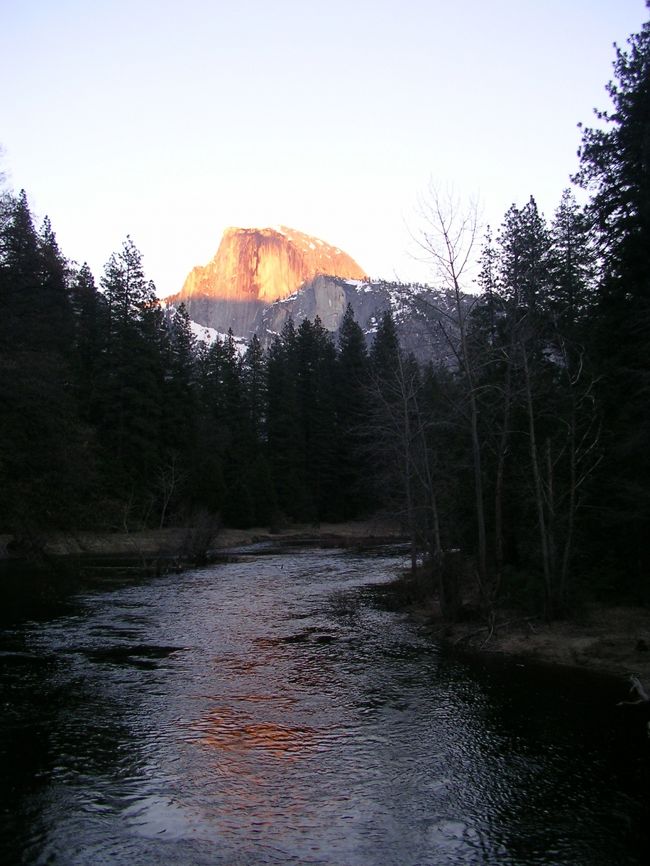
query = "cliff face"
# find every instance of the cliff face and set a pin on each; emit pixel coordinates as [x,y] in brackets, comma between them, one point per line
[262,266]
[418,312]
[261,277]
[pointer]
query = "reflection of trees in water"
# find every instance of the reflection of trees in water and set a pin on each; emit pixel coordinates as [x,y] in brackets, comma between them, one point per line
[553,760]
[60,733]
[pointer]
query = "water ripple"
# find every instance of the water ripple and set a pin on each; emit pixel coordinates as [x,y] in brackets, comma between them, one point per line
[267,711]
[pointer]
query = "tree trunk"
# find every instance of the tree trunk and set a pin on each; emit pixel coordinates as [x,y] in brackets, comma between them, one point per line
[539,491]
[502,450]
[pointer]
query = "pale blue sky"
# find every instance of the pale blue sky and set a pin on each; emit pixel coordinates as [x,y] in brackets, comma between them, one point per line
[170,121]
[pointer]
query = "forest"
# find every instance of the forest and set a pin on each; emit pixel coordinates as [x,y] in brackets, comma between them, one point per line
[524,465]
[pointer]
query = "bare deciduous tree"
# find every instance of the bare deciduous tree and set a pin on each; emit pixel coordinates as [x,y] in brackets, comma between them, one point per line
[448,239]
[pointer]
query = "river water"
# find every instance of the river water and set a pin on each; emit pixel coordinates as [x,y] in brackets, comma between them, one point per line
[271,711]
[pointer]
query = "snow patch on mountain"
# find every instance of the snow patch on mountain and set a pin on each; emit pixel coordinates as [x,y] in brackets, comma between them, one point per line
[208,336]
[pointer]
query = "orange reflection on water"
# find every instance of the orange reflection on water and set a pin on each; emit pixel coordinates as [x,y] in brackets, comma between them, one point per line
[232,730]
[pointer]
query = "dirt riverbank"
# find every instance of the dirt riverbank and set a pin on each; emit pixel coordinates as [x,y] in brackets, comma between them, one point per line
[610,640]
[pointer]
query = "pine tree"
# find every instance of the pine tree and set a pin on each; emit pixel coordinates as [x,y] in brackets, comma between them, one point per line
[179,409]
[384,352]
[285,442]
[239,506]
[524,248]
[255,397]
[316,358]
[615,169]
[89,310]
[55,310]
[207,482]
[20,272]
[536,394]
[45,453]
[131,383]
[352,382]
[128,293]
[572,266]
[255,388]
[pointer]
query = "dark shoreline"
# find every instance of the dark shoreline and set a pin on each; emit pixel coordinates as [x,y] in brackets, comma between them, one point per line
[39,584]
[602,639]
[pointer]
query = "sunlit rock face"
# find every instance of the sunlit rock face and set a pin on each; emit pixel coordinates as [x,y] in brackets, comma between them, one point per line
[259,278]
[264,265]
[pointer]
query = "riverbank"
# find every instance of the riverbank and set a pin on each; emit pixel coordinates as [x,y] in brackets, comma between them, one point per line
[611,640]
[37,576]
[608,640]
[356,532]
[154,543]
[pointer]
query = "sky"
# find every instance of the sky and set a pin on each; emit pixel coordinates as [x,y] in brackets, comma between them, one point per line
[170,121]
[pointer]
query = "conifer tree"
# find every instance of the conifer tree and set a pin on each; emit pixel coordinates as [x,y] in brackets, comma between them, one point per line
[45,454]
[89,309]
[352,397]
[255,397]
[55,311]
[131,382]
[178,431]
[384,352]
[572,266]
[615,169]
[255,388]
[524,248]
[207,483]
[20,273]
[315,371]
[284,428]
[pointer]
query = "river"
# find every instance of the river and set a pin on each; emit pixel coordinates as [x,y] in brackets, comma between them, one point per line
[272,710]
